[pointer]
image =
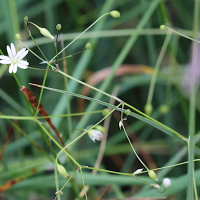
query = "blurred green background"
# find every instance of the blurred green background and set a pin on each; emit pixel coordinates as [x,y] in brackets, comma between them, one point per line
[129,45]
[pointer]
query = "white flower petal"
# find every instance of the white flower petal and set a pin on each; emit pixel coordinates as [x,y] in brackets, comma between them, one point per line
[23,62]
[23,55]
[44,62]
[9,52]
[5,61]
[137,171]
[13,49]
[4,57]
[11,68]
[120,124]
[166,182]
[22,66]
[15,68]
[20,52]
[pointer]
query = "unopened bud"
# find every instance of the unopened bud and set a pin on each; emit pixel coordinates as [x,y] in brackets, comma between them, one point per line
[164,108]
[105,112]
[59,193]
[100,128]
[58,27]
[46,33]
[166,182]
[152,175]
[148,108]
[62,171]
[17,36]
[163,27]
[115,13]
[88,45]
[156,186]
[128,112]
[25,18]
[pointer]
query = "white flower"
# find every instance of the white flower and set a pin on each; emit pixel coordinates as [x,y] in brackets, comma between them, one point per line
[137,171]
[166,182]
[156,186]
[59,193]
[95,135]
[120,124]
[14,58]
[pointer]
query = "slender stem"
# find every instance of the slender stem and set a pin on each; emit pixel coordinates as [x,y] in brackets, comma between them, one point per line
[83,183]
[157,66]
[80,35]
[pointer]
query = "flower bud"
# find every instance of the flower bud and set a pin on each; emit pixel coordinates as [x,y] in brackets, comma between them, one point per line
[17,36]
[62,171]
[58,27]
[105,112]
[25,18]
[166,182]
[59,193]
[100,128]
[164,108]
[88,45]
[128,112]
[137,171]
[152,175]
[95,135]
[115,13]
[46,33]
[148,108]
[156,186]
[163,27]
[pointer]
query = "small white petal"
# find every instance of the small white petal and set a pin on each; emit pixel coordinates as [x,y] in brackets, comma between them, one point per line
[43,62]
[5,61]
[15,68]
[166,182]
[156,186]
[11,68]
[4,57]
[20,52]
[22,66]
[137,171]
[120,124]
[23,55]
[23,62]
[13,49]
[9,52]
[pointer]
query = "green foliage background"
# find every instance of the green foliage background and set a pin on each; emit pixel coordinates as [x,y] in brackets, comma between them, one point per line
[111,46]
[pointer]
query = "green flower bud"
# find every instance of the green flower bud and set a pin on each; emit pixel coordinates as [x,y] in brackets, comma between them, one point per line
[58,27]
[128,112]
[62,171]
[115,13]
[100,128]
[88,45]
[17,36]
[148,109]
[46,33]
[163,27]
[164,108]
[25,18]
[152,175]
[105,112]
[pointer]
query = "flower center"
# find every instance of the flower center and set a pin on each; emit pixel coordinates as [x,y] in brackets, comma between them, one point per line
[14,60]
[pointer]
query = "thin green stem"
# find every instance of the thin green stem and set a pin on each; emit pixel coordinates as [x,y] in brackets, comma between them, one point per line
[83,183]
[133,148]
[157,66]
[80,35]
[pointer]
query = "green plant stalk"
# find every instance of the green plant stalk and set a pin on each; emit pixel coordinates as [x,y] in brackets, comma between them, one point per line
[50,116]
[56,179]
[192,114]
[58,145]
[79,35]
[85,132]
[83,183]
[31,141]
[156,69]
[134,149]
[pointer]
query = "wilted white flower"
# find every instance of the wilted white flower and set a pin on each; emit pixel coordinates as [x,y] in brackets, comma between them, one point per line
[14,58]
[156,186]
[137,171]
[120,124]
[95,135]
[166,182]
